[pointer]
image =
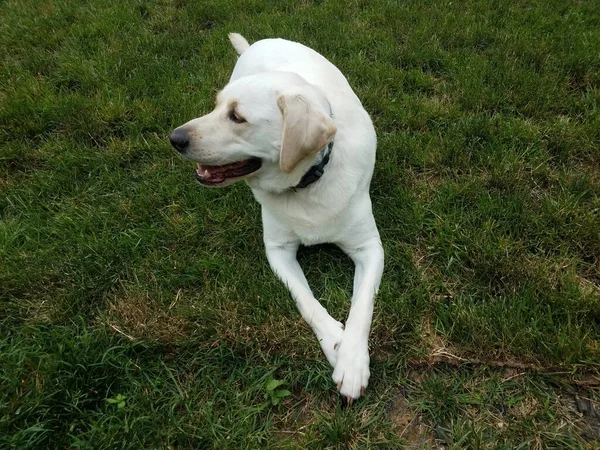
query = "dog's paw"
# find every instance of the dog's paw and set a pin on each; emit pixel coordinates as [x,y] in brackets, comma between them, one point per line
[329,335]
[351,374]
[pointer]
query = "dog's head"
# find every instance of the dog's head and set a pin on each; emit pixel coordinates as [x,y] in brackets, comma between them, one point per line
[266,128]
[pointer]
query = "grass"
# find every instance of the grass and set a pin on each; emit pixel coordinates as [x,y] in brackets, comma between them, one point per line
[138,310]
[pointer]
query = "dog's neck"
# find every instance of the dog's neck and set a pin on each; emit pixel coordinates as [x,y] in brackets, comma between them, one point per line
[315,172]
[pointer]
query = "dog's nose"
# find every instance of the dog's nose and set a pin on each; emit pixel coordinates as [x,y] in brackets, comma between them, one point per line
[179,140]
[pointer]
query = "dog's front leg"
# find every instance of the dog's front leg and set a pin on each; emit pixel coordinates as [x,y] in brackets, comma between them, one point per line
[282,258]
[351,372]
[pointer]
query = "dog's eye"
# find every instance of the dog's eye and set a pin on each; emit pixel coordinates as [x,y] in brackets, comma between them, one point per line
[235,117]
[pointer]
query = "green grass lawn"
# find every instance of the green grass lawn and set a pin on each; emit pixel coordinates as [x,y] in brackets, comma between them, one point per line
[137,310]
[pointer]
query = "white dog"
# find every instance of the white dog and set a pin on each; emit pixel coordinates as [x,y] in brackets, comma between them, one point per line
[289,124]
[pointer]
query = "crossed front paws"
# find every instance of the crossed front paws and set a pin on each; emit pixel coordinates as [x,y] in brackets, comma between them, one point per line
[348,356]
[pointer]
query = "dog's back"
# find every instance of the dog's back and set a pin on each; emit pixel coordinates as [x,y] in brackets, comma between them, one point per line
[286,56]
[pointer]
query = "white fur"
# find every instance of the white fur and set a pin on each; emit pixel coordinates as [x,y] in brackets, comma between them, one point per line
[336,208]
[240,44]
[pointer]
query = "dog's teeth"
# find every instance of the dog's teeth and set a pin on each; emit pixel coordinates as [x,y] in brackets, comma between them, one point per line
[206,173]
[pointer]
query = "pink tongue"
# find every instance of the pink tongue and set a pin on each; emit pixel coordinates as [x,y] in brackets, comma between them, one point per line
[221,169]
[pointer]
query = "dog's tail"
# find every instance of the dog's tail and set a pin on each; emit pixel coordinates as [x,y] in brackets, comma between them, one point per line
[239,42]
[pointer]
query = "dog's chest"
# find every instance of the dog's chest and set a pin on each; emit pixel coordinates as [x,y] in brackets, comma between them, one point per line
[315,233]
[312,234]
[310,222]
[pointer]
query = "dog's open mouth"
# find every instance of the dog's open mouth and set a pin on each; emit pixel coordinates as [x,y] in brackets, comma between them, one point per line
[213,175]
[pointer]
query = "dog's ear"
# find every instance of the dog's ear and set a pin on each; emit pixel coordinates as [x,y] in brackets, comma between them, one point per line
[307,128]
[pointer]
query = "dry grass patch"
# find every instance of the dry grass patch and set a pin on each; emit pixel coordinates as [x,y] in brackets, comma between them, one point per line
[439,104]
[588,287]
[409,426]
[275,334]
[424,182]
[296,425]
[140,316]
[43,311]
[224,321]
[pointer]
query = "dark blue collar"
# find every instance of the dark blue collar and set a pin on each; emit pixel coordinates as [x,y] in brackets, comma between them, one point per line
[316,171]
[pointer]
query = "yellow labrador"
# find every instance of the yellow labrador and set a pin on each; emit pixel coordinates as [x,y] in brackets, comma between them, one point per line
[289,125]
